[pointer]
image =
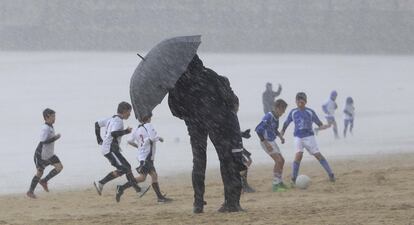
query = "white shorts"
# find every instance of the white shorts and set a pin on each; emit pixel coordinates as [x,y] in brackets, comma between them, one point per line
[309,143]
[274,147]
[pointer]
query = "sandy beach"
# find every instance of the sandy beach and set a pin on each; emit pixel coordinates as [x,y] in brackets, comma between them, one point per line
[369,190]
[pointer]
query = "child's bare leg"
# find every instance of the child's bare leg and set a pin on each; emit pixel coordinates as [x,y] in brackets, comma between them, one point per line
[155,185]
[346,127]
[335,129]
[52,173]
[278,167]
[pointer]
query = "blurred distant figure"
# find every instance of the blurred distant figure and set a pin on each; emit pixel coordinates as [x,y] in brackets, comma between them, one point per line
[329,109]
[45,154]
[269,97]
[349,115]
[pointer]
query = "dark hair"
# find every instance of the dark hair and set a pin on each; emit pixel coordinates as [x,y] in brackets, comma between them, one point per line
[123,107]
[301,96]
[146,118]
[48,112]
[280,103]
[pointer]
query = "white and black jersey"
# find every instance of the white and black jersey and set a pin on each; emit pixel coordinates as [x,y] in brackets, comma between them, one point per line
[110,142]
[46,147]
[145,136]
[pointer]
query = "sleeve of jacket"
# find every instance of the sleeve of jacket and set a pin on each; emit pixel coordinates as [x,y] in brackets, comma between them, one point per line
[225,91]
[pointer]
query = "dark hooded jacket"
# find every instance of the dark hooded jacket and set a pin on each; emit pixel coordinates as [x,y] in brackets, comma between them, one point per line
[200,93]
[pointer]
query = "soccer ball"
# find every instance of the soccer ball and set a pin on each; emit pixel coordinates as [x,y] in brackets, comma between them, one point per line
[302,181]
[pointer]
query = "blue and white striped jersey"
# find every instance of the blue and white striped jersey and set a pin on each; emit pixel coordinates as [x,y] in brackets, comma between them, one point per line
[303,120]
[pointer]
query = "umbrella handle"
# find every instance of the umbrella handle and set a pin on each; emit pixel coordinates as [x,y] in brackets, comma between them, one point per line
[141,57]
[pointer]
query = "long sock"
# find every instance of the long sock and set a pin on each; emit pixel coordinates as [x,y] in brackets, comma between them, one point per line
[325,165]
[107,178]
[295,170]
[132,181]
[34,183]
[277,178]
[51,174]
[156,188]
[126,186]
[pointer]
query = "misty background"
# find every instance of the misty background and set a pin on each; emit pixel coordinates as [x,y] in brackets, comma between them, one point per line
[293,26]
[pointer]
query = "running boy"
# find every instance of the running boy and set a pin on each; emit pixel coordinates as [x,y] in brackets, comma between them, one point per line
[144,138]
[329,109]
[267,130]
[44,154]
[303,118]
[111,150]
[349,115]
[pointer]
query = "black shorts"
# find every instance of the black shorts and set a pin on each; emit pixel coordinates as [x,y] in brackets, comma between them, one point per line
[41,164]
[118,161]
[145,167]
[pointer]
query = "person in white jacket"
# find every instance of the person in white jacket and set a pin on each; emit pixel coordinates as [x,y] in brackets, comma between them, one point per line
[144,138]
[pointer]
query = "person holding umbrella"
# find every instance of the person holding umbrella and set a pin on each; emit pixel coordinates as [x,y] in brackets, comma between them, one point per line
[205,101]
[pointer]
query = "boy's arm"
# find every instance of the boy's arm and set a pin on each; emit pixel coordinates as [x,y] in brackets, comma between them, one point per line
[318,122]
[52,139]
[286,124]
[98,133]
[279,90]
[132,143]
[119,133]
[347,112]
[153,136]
[260,129]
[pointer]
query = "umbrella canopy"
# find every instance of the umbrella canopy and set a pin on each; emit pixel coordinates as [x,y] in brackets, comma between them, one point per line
[158,72]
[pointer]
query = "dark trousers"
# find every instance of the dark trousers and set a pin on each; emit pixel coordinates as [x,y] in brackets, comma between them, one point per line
[221,135]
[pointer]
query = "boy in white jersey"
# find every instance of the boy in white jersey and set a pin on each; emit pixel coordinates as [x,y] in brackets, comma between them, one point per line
[144,138]
[329,109]
[112,151]
[44,155]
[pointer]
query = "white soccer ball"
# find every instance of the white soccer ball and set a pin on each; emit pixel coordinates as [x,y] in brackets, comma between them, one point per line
[302,181]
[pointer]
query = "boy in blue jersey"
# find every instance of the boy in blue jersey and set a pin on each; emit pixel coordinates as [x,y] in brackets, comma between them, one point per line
[303,118]
[267,130]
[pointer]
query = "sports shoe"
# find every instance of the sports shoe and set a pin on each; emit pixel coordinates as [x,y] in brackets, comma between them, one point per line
[164,200]
[98,187]
[44,185]
[332,178]
[119,192]
[283,185]
[278,188]
[31,195]
[292,182]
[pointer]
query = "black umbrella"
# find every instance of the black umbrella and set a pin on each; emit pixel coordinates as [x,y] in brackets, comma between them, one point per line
[158,72]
